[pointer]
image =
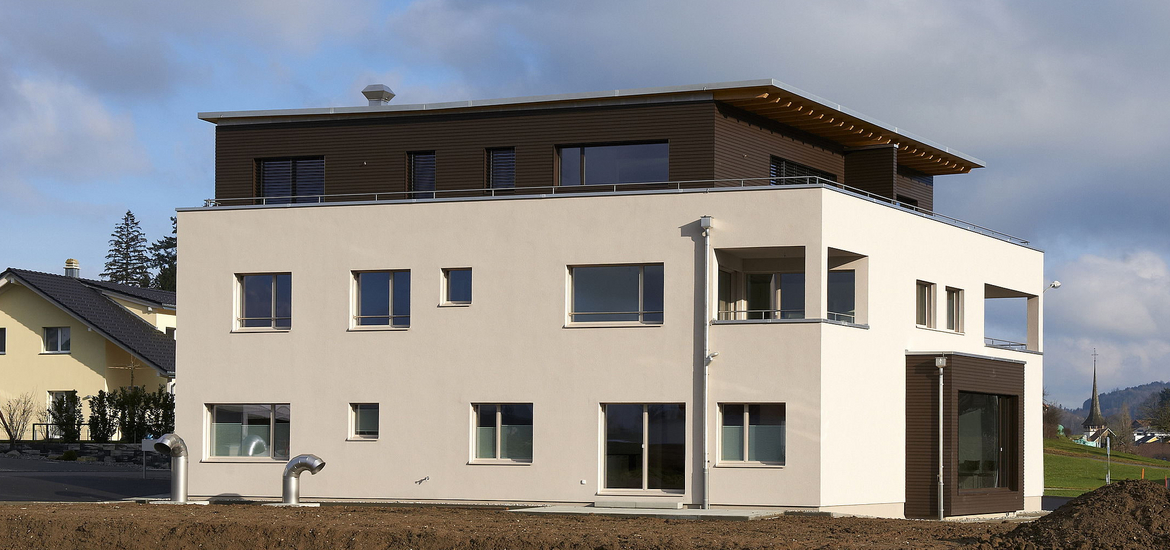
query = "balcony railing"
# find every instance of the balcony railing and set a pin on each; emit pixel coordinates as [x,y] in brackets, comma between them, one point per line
[607,188]
[755,314]
[1004,344]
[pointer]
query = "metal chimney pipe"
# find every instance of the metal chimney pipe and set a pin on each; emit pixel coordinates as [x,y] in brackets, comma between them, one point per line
[378,94]
[173,445]
[291,493]
[72,268]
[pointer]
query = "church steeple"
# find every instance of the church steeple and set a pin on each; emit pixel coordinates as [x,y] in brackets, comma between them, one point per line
[1095,419]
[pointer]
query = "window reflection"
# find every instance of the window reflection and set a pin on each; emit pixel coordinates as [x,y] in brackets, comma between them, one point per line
[610,164]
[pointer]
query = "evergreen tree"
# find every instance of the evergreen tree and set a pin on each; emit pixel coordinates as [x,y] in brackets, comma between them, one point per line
[164,258]
[127,263]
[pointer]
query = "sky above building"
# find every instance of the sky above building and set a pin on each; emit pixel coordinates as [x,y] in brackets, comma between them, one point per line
[1065,101]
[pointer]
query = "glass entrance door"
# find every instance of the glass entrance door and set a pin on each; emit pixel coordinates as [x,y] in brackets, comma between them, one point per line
[645,447]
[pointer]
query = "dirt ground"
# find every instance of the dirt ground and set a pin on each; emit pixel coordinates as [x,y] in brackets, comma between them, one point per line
[252,527]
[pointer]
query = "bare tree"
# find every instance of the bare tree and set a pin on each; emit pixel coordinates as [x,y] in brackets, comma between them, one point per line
[1122,426]
[16,414]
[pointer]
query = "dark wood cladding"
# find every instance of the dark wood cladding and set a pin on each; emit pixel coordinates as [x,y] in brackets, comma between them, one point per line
[745,144]
[968,374]
[369,155]
[872,170]
[915,185]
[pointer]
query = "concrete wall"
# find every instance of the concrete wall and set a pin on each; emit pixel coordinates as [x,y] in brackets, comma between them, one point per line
[843,385]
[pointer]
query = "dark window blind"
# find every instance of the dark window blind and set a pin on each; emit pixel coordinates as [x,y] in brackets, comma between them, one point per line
[784,168]
[292,180]
[502,168]
[422,175]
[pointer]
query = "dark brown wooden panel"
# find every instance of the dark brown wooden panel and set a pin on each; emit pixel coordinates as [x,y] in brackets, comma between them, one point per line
[968,374]
[369,155]
[872,170]
[745,144]
[916,185]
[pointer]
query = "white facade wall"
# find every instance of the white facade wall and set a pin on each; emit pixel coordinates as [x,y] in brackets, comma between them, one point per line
[843,386]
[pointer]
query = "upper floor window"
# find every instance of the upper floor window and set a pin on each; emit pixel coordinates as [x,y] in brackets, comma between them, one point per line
[457,286]
[954,309]
[501,168]
[784,168]
[250,431]
[382,298]
[609,164]
[924,304]
[282,181]
[421,174]
[632,293]
[3,340]
[265,301]
[842,296]
[57,340]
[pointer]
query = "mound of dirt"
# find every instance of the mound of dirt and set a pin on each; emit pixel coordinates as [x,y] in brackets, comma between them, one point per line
[1125,515]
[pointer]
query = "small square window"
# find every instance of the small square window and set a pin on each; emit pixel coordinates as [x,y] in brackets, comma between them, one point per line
[381,298]
[364,420]
[503,432]
[457,285]
[753,433]
[57,340]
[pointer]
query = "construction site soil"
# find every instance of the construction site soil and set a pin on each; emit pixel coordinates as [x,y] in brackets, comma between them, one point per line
[1124,515]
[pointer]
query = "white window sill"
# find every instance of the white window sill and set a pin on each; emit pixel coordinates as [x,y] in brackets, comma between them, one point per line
[455,304]
[639,493]
[750,465]
[378,328]
[361,438]
[260,330]
[942,330]
[498,462]
[54,353]
[610,324]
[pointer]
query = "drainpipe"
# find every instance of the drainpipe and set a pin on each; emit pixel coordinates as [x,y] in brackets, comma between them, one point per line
[291,487]
[705,224]
[940,362]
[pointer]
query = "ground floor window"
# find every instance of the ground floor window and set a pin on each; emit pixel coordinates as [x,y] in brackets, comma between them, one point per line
[250,431]
[985,437]
[364,419]
[645,446]
[504,432]
[753,433]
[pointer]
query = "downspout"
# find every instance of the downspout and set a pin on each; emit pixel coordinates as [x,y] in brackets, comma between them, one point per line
[940,362]
[705,224]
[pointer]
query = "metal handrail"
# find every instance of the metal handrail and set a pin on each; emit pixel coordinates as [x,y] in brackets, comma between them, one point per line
[843,317]
[1004,344]
[746,314]
[553,190]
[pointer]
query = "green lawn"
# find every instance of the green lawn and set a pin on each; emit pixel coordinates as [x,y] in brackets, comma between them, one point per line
[1066,475]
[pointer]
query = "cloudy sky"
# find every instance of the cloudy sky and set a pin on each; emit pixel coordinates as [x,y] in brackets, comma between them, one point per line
[1066,101]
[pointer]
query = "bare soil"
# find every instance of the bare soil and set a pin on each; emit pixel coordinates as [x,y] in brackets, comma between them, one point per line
[252,527]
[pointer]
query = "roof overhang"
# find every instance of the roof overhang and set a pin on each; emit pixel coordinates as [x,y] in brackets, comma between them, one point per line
[767,98]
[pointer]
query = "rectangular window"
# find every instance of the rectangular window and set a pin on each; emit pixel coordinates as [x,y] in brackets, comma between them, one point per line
[3,340]
[265,301]
[610,164]
[57,340]
[288,180]
[364,420]
[421,174]
[767,295]
[787,172]
[645,447]
[457,286]
[250,431]
[728,295]
[986,442]
[631,293]
[753,433]
[504,432]
[382,298]
[842,296]
[924,304]
[501,169]
[954,309]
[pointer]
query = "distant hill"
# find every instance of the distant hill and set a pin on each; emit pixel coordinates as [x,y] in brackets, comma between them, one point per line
[1113,401]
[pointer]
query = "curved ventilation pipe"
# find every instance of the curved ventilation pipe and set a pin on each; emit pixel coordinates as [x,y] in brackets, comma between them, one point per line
[173,445]
[292,476]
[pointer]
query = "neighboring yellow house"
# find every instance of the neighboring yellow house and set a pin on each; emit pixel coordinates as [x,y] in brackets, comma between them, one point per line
[62,333]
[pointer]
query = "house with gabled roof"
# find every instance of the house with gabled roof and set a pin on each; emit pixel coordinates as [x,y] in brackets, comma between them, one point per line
[62,334]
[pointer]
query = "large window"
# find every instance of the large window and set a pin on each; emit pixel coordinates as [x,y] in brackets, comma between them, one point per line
[954,309]
[784,168]
[617,293]
[501,168]
[363,421]
[610,164]
[421,174]
[924,304]
[842,300]
[265,301]
[503,432]
[645,447]
[766,296]
[250,431]
[57,340]
[382,298]
[986,445]
[282,181]
[753,433]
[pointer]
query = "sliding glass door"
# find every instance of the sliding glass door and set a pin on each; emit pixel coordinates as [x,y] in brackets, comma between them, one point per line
[645,447]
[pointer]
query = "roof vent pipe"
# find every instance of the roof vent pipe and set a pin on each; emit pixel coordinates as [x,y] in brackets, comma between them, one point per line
[72,268]
[378,94]
[173,445]
[291,493]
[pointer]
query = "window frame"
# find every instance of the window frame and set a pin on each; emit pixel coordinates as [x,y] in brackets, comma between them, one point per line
[209,449]
[498,435]
[1007,458]
[720,461]
[241,299]
[581,172]
[929,305]
[786,165]
[445,298]
[955,310]
[489,171]
[641,313]
[412,191]
[645,454]
[68,350]
[293,184]
[356,301]
[3,340]
[354,434]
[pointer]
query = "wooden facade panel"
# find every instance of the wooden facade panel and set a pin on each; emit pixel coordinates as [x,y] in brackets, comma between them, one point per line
[745,144]
[370,155]
[915,185]
[967,374]
[872,170]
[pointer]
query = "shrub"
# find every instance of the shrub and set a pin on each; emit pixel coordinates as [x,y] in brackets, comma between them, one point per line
[143,414]
[69,455]
[65,414]
[103,417]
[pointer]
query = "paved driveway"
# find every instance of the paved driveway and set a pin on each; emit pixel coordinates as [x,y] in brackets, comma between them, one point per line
[56,481]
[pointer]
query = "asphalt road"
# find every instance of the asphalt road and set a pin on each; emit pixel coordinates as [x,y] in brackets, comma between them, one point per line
[56,481]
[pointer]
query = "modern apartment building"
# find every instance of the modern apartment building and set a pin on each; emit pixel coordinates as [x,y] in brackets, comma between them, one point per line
[719,295]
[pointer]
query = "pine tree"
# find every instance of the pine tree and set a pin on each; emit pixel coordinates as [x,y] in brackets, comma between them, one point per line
[127,263]
[164,258]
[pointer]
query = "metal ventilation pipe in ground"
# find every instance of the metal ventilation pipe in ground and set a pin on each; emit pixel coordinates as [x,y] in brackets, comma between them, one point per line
[173,445]
[291,493]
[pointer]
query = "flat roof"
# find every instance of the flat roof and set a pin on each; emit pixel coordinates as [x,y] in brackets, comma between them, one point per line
[768,98]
